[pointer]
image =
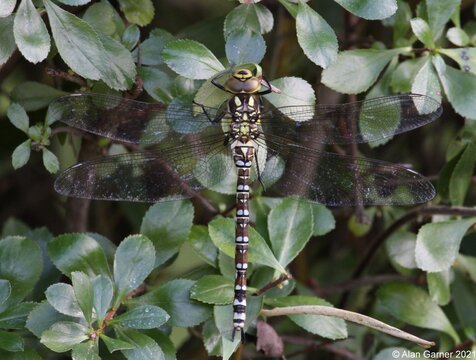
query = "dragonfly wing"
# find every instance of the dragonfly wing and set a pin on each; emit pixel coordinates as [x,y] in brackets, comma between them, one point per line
[359,122]
[128,120]
[339,180]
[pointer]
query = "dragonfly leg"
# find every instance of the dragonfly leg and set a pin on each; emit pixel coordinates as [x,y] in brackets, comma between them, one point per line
[258,171]
[213,119]
[268,85]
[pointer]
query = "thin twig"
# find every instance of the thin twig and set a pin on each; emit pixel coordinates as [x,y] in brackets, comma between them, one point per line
[66,76]
[273,284]
[348,316]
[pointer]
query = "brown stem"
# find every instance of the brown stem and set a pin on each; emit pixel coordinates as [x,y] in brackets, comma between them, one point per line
[409,216]
[66,76]
[273,284]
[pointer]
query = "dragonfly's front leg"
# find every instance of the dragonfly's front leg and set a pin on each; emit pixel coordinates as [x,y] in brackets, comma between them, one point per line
[218,117]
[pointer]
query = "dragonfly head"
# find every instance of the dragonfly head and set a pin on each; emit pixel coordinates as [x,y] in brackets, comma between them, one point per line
[243,81]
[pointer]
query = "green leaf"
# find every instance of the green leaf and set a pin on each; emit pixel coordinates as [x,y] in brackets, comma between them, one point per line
[324,221]
[167,225]
[83,291]
[63,299]
[113,344]
[423,32]
[465,57]
[63,335]
[203,245]
[325,326]
[50,161]
[254,17]
[468,263]
[438,243]
[18,117]
[290,227]
[404,75]
[393,353]
[34,96]
[464,305]
[244,46]
[21,154]
[140,12]
[15,316]
[368,9]
[400,248]
[316,38]
[157,83]
[439,12]
[174,298]
[213,289]
[426,82]
[104,19]
[42,317]
[74,2]
[10,341]
[439,286]
[7,40]
[222,232]
[141,317]
[144,346]
[457,36]
[294,91]
[405,302]
[191,59]
[459,88]
[356,71]
[151,49]
[103,293]
[134,261]
[22,271]
[462,175]
[130,37]
[5,290]
[163,340]
[6,7]
[78,252]
[31,35]
[86,351]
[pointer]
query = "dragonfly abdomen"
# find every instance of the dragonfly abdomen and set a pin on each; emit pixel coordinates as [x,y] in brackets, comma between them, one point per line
[243,154]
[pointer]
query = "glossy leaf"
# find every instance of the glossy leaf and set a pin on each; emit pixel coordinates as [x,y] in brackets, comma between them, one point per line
[62,336]
[426,82]
[86,351]
[15,316]
[222,232]
[7,40]
[104,19]
[439,286]
[315,36]
[21,154]
[468,263]
[42,317]
[130,37]
[134,261]
[113,344]
[412,305]
[289,237]
[356,71]
[74,2]
[22,271]
[465,57]
[245,46]
[151,49]
[5,290]
[174,298]
[203,245]
[31,35]
[63,299]
[404,74]
[140,12]
[191,59]
[439,12]
[457,36]
[50,161]
[256,18]
[6,7]
[102,295]
[167,225]
[324,221]
[438,243]
[144,346]
[423,32]
[213,289]
[368,9]
[325,326]
[141,317]
[83,291]
[33,95]
[462,175]
[400,248]
[78,252]
[459,87]
[10,341]
[294,92]
[18,117]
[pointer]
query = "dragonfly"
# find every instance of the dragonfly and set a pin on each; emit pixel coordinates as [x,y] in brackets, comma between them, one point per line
[244,146]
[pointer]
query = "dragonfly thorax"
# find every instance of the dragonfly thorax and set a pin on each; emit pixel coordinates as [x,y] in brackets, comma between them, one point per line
[245,114]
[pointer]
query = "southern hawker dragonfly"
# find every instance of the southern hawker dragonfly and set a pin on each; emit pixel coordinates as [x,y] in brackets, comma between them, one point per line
[186,148]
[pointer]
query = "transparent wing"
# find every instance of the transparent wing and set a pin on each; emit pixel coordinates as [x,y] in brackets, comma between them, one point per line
[158,174]
[359,122]
[338,180]
[128,120]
